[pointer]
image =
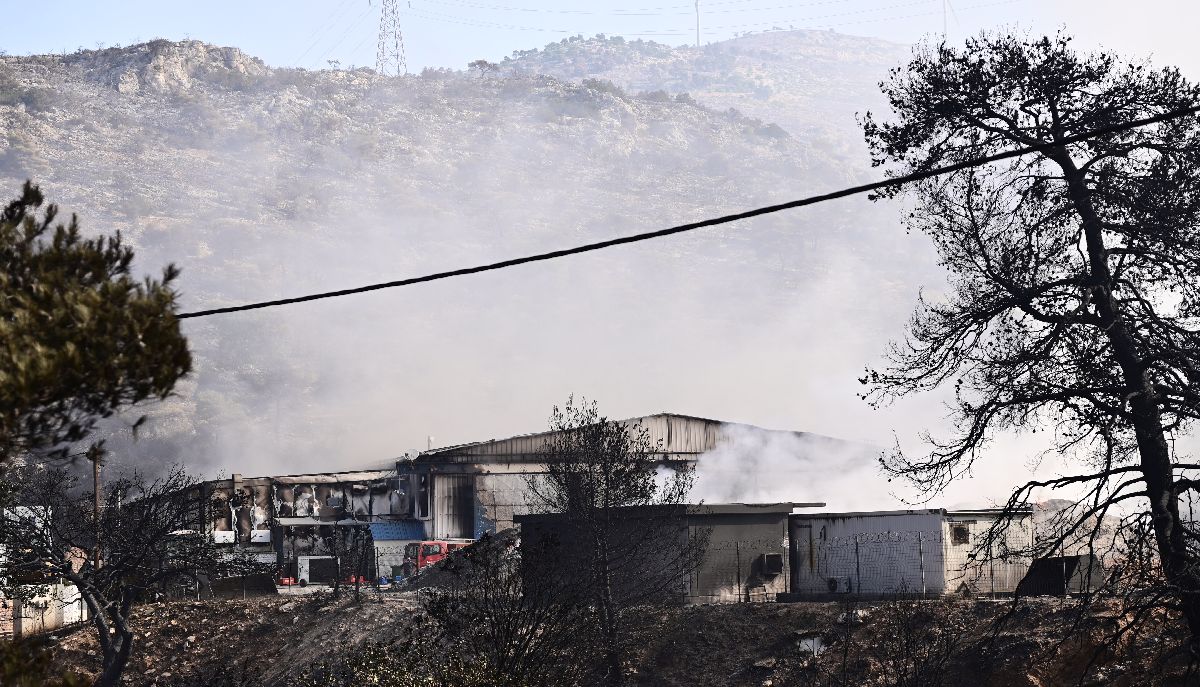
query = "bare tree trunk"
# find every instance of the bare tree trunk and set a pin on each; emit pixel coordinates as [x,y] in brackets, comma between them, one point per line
[1145,407]
[118,649]
[96,506]
[114,662]
[608,617]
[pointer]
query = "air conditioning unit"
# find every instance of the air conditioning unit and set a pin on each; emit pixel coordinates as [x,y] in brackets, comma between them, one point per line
[839,585]
[260,536]
[224,536]
[772,564]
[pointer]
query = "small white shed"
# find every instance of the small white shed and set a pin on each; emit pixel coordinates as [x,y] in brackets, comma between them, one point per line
[930,552]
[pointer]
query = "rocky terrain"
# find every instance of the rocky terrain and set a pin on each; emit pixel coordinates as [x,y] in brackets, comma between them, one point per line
[812,83]
[263,182]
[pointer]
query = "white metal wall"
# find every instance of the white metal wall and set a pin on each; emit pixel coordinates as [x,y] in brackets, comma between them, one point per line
[993,572]
[895,553]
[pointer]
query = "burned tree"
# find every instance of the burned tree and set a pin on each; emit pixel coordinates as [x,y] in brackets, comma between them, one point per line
[82,339]
[1074,275]
[620,524]
[148,537]
[514,629]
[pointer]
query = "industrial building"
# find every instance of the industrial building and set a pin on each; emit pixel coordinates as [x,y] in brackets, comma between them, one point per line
[768,552]
[470,489]
[301,522]
[922,553]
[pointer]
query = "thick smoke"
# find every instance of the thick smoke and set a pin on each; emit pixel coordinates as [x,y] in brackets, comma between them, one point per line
[268,183]
[753,465]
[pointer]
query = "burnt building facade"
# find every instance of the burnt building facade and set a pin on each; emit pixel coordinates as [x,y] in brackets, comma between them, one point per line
[469,489]
[300,523]
[305,524]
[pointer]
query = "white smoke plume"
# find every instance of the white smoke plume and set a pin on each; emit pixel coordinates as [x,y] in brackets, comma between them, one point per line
[754,465]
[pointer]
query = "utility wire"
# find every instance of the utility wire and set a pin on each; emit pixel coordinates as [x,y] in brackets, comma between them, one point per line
[725,219]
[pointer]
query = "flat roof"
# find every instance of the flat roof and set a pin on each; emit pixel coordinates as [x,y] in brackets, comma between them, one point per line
[727,508]
[700,509]
[918,511]
[873,513]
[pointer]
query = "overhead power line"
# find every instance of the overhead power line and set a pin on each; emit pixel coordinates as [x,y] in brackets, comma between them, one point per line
[692,226]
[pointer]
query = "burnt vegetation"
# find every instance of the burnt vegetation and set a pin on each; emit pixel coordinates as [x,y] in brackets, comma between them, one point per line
[135,543]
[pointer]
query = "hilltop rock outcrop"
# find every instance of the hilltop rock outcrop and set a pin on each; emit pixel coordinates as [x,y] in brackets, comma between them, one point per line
[166,67]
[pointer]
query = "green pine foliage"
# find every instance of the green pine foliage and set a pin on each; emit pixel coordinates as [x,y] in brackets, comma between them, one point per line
[80,337]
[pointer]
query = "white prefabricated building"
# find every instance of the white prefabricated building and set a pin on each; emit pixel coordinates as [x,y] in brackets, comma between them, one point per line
[930,552]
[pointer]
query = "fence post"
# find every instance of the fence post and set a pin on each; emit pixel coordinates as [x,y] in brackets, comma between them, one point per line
[737,549]
[857,568]
[921,559]
[1062,550]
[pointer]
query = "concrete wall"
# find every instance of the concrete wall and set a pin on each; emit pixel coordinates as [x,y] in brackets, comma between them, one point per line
[59,606]
[499,497]
[389,556]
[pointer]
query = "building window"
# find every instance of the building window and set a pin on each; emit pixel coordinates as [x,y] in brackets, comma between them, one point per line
[960,534]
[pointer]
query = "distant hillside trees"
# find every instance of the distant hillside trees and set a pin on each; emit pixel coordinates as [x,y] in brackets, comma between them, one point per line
[483,67]
[80,338]
[1074,300]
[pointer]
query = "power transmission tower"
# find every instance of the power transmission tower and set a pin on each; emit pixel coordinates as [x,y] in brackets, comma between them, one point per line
[697,23]
[389,57]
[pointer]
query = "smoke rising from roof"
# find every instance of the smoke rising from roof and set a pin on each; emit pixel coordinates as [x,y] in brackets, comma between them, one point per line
[754,465]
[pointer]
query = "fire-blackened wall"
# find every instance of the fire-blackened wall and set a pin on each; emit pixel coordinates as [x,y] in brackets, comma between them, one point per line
[318,515]
[743,555]
[747,554]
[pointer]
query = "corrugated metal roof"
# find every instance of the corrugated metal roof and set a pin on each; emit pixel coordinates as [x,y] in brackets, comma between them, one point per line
[674,433]
[312,478]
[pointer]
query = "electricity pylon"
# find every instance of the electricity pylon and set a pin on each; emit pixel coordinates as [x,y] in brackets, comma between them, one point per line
[389,57]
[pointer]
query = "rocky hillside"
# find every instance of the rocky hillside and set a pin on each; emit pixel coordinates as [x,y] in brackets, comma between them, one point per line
[810,82]
[263,182]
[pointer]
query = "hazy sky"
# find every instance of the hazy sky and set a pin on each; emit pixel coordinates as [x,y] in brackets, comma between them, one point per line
[450,33]
[763,375]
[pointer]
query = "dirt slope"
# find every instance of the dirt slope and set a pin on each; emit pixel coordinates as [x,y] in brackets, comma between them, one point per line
[751,645]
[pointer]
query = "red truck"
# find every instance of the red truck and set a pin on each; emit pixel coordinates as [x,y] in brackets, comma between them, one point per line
[418,555]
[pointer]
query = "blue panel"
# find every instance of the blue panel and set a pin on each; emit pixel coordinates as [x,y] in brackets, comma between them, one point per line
[397,530]
[483,524]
